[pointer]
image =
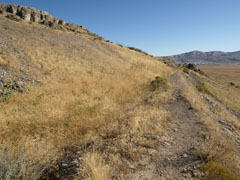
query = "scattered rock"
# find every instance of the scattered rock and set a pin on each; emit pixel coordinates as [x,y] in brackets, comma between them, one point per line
[30,14]
[24,13]
[169,61]
[166,144]
[184,155]
[13,17]
[151,151]
[192,67]
[131,166]
[62,22]
[12,9]
[64,165]
[175,129]
[232,84]
[206,137]
[227,124]
[190,108]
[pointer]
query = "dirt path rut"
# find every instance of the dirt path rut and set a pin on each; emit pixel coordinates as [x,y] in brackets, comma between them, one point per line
[177,159]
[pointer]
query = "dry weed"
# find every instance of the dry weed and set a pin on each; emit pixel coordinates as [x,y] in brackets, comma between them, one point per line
[95,168]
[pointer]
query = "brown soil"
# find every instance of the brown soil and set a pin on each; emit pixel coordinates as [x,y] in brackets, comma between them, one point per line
[177,158]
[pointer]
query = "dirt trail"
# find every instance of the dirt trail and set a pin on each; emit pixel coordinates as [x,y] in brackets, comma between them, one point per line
[177,159]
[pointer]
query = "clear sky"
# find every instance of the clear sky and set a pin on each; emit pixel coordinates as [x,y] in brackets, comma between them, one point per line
[159,27]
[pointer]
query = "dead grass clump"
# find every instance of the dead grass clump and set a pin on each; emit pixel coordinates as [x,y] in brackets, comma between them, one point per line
[214,170]
[2,62]
[95,168]
[218,149]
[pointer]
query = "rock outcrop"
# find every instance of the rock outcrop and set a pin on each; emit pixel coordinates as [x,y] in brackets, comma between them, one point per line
[30,14]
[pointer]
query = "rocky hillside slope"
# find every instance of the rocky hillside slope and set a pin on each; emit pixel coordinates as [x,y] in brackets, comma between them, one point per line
[199,57]
[74,106]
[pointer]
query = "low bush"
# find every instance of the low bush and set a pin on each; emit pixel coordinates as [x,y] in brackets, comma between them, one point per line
[186,70]
[203,89]
[159,82]
[18,164]
[8,89]
[215,171]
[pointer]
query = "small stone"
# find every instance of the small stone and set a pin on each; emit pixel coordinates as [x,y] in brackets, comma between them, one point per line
[185,155]
[151,151]
[75,162]
[166,144]
[190,108]
[195,174]
[131,166]
[184,170]
[64,165]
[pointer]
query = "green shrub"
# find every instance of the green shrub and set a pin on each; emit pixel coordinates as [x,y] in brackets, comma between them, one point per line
[159,82]
[202,88]
[215,171]
[8,89]
[186,70]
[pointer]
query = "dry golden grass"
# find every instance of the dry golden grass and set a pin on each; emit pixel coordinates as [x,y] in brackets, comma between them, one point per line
[220,147]
[82,87]
[83,91]
[95,168]
[2,62]
[219,83]
[80,91]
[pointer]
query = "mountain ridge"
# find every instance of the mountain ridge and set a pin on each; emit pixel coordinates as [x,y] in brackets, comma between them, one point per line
[211,57]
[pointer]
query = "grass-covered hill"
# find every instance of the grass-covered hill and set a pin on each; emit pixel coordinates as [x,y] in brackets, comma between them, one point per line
[74,106]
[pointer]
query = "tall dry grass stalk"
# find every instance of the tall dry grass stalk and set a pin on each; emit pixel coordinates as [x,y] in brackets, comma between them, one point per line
[95,168]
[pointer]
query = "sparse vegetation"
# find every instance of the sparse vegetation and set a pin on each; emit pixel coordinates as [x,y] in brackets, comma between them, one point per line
[139,50]
[201,88]
[80,100]
[13,86]
[8,89]
[185,70]
[94,95]
[18,163]
[218,83]
[2,62]
[159,82]
[95,168]
[214,170]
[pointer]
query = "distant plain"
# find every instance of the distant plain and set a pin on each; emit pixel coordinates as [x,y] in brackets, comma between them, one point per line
[224,82]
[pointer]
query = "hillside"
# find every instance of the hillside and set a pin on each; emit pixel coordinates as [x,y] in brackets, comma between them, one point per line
[74,106]
[212,57]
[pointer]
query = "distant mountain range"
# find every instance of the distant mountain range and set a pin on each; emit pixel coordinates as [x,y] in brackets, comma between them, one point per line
[213,57]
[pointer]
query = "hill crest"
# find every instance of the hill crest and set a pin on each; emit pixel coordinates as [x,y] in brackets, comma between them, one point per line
[199,57]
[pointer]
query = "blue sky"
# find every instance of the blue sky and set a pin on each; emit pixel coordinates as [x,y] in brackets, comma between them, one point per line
[159,27]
